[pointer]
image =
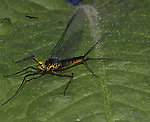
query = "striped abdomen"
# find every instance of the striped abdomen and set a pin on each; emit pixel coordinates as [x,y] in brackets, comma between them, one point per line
[58,65]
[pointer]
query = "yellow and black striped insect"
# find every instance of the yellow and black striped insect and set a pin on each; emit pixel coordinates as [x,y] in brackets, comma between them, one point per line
[58,60]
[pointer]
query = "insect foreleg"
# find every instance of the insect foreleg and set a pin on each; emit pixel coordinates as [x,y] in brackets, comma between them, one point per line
[20,87]
[29,67]
[24,59]
[27,72]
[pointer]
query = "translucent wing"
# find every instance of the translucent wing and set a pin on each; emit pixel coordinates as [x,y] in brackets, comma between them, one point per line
[69,41]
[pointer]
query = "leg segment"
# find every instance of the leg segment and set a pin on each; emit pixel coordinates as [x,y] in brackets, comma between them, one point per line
[27,72]
[68,84]
[29,67]
[22,85]
[86,65]
[67,74]
[30,57]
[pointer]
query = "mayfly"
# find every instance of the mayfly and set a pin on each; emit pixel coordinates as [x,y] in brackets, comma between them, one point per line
[58,60]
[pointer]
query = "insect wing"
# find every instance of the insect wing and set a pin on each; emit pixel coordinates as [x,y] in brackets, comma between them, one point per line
[69,41]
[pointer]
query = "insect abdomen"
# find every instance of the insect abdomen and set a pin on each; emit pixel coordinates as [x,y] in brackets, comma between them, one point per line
[64,64]
[72,62]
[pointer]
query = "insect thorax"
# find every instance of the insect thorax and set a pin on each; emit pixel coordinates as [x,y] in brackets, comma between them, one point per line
[52,64]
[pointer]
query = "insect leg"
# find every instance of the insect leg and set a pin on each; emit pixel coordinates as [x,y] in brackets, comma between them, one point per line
[68,83]
[86,65]
[67,74]
[20,87]
[27,58]
[29,67]
[27,72]
[30,57]
[35,78]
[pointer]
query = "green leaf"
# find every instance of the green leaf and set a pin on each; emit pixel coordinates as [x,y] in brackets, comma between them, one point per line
[120,93]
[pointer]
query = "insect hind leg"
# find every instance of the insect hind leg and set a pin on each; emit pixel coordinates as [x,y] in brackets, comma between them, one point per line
[86,65]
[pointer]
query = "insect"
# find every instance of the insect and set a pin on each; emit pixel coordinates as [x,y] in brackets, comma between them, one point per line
[58,60]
